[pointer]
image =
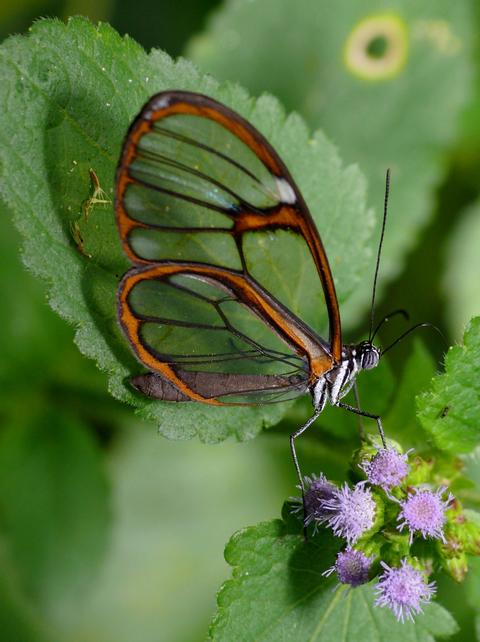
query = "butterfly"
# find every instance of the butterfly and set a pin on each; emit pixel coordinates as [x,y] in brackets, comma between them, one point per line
[215,227]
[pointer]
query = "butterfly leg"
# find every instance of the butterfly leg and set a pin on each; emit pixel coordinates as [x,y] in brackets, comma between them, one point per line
[294,436]
[362,413]
[357,402]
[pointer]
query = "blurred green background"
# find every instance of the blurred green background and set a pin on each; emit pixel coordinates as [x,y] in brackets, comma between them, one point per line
[109,532]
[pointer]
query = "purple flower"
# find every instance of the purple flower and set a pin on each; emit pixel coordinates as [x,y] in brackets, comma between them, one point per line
[387,468]
[403,590]
[351,567]
[349,512]
[424,511]
[317,490]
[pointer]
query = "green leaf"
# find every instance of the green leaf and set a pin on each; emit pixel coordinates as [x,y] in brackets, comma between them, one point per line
[450,410]
[472,584]
[29,330]
[461,282]
[277,592]
[53,504]
[401,421]
[68,94]
[18,619]
[320,60]
[469,134]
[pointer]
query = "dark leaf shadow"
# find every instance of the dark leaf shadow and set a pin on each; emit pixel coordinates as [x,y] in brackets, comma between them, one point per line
[68,174]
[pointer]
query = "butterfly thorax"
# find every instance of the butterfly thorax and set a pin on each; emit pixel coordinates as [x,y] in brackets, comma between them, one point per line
[338,381]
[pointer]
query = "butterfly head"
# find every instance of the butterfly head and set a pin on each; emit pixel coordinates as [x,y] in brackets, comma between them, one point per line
[367,355]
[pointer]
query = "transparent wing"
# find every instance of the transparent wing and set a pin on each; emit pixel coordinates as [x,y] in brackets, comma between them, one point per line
[192,326]
[197,184]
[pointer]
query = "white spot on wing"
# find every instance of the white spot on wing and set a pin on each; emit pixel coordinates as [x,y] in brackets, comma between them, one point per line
[285,190]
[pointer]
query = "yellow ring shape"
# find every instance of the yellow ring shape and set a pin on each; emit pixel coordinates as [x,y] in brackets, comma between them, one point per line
[391,32]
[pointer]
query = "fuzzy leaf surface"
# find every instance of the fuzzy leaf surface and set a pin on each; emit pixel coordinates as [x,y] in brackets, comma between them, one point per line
[450,410]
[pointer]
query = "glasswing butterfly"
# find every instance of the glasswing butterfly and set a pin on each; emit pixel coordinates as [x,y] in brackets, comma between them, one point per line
[216,228]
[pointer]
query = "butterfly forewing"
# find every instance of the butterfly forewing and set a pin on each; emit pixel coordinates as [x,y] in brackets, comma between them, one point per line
[198,185]
[198,158]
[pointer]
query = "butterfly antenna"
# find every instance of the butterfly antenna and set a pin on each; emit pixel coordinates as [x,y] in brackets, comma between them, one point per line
[412,329]
[387,318]
[385,208]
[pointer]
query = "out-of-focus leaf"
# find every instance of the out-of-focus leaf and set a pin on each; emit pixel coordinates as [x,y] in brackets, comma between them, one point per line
[174,505]
[455,596]
[166,25]
[472,588]
[36,346]
[472,584]
[30,332]
[462,282]
[277,592]
[68,95]
[386,82]
[18,620]
[472,466]
[401,421]
[15,15]
[469,143]
[54,508]
[450,410]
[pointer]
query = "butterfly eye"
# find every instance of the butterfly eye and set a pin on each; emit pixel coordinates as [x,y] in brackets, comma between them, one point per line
[370,357]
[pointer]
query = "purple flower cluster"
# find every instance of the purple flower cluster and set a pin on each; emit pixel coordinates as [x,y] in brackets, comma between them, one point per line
[318,491]
[351,567]
[424,512]
[403,589]
[387,469]
[350,512]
